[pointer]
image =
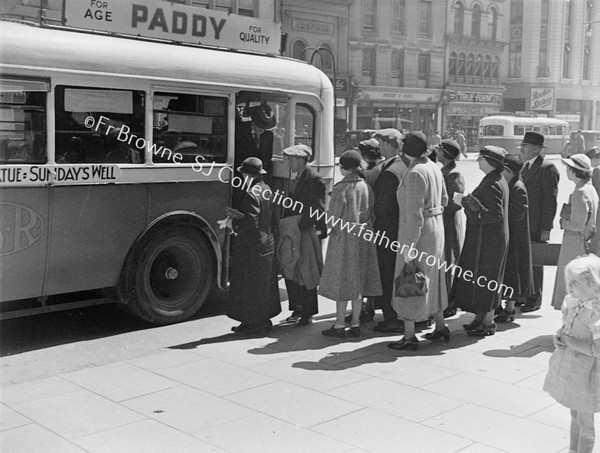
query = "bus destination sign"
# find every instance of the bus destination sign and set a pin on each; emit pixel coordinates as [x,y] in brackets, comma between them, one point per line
[15,175]
[181,23]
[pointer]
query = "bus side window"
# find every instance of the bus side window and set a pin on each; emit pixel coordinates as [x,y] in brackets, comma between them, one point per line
[189,128]
[519,130]
[305,126]
[22,122]
[551,130]
[95,125]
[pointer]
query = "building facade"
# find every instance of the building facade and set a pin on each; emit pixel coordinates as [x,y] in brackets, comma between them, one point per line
[554,61]
[476,61]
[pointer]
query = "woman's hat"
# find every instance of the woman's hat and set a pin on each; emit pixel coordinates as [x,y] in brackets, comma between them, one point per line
[513,163]
[415,144]
[579,162]
[263,117]
[494,155]
[450,148]
[350,159]
[252,166]
[533,138]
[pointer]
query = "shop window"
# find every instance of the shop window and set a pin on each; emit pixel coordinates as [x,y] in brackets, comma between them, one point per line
[189,128]
[118,132]
[22,121]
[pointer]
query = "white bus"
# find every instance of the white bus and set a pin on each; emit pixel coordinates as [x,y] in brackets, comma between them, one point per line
[93,207]
[508,131]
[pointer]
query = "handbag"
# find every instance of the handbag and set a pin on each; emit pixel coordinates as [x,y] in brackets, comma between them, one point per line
[411,281]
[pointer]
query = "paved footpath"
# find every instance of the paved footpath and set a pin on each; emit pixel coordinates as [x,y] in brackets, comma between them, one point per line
[196,387]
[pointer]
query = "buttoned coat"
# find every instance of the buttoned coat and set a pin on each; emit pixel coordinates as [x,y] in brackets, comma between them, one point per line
[518,274]
[541,181]
[483,257]
[350,268]
[421,200]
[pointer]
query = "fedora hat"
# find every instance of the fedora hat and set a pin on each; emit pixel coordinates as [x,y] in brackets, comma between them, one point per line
[263,117]
[252,166]
[533,138]
[579,162]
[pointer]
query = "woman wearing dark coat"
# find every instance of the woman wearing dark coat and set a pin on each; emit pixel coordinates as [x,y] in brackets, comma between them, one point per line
[253,292]
[518,275]
[483,256]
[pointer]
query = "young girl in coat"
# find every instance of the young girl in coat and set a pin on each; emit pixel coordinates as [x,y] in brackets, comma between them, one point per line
[574,375]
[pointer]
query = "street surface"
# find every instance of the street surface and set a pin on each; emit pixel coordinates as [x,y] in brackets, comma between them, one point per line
[95,380]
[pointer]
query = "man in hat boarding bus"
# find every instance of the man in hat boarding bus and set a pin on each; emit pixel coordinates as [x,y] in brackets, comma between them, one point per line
[541,180]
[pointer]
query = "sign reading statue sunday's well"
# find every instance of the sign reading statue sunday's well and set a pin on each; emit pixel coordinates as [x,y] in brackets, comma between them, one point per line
[156,19]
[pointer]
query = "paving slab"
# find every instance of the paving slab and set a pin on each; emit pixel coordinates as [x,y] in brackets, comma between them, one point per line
[35,439]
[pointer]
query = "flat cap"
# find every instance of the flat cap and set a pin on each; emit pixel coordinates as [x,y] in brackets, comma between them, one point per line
[391,135]
[415,144]
[298,151]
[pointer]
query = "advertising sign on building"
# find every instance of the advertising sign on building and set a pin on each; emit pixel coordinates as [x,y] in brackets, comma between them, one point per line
[157,19]
[542,98]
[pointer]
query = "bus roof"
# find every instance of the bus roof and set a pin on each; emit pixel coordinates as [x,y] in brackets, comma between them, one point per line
[30,47]
[522,120]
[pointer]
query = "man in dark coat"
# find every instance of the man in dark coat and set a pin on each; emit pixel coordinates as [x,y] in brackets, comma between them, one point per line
[255,139]
[541,180]
[254,294]
[386,220]
[308,195]
[518,274]
[483,257]
[454,227]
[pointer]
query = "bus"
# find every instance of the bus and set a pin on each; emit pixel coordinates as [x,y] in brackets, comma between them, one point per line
[116,160]
[508,131]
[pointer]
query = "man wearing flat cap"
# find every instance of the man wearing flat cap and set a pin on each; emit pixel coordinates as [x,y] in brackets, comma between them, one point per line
[518,273]
[453,215]
[308,195]
[371,154]
[386,220]
[541,180]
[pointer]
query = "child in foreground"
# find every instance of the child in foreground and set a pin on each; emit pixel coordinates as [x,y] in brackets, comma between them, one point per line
[574,375]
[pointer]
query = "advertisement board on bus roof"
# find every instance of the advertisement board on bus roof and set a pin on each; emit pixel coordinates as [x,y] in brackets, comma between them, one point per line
[182,23]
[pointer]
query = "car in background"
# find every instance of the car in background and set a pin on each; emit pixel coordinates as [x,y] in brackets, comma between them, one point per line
[351,139]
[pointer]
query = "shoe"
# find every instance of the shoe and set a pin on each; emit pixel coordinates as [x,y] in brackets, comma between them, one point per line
[528,308]
[367,315]
[471,326]
[304,321]
[483,330]
[333,332]
[239,329]
[384,327]
[437,334]
[355,331]
[293,319]
[506,316]
[405,345]
[450,311]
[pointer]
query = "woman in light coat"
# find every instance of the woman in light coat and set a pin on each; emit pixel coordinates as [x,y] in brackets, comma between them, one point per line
[421,199]
[578,219]
[350,271]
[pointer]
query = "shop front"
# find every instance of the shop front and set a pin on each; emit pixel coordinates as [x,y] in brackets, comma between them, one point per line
[406,108]
[466,108]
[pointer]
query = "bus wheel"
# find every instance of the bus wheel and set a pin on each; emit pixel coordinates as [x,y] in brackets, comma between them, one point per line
[172,274]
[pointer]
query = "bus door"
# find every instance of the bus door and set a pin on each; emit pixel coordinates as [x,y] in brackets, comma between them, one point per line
[24,195]
[94,220]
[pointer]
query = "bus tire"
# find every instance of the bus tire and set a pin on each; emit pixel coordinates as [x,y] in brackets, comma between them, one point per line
[171,275]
